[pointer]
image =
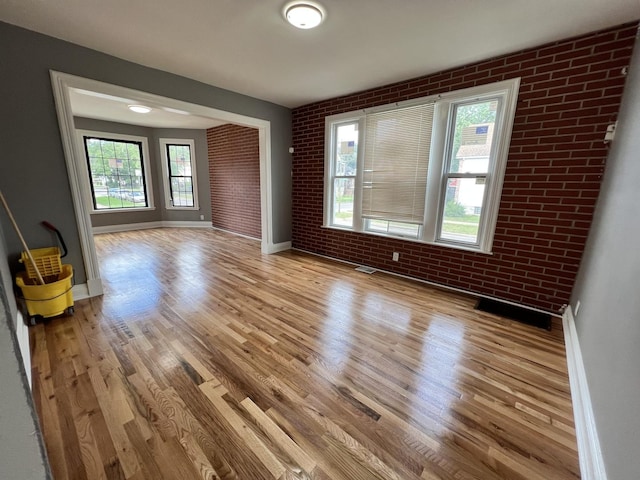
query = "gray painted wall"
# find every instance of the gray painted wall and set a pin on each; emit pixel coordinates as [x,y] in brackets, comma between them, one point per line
[33,173]
[608,321]
[21,453]
[153,136]
[202,172]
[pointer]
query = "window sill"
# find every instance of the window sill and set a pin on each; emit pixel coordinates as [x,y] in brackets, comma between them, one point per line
[121,210]
[413,240]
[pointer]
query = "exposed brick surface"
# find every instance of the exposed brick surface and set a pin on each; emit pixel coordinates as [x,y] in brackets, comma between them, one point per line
[234,175]
[570,91]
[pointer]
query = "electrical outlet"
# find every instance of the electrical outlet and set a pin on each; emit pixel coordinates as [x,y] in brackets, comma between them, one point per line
[610,133]
[395,257]
[201,217]
[577,307]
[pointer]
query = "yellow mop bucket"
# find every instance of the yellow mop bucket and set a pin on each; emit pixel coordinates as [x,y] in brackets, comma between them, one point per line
[50,299]
[46,259]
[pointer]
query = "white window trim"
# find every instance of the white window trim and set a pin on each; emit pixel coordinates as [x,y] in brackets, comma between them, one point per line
[165,172]
[86,177]
[507,90]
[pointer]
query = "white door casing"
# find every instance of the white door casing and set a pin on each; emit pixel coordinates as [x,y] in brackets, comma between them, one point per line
[74,157]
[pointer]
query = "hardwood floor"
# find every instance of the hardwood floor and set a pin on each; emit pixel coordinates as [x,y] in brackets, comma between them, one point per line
[206,359]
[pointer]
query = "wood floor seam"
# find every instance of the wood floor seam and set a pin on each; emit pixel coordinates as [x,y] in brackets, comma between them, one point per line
[206,359]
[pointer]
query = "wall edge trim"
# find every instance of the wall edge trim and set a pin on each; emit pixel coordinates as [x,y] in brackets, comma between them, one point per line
[80,291]
[278,247]
[589,452]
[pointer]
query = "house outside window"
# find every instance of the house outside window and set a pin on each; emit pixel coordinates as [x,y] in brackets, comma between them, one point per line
[179,173]
[117,171]
[428,170]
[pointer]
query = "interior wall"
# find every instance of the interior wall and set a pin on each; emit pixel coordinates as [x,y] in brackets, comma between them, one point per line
[234,175]
[608,320]
[202,174]
[21,449]
[33,174]
[570,91]
[153,136]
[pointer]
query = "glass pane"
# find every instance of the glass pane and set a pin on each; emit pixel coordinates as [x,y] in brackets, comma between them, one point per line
[343,202]
[402,229]
[473,137]
[182,191]
[133,150]
[179,160]
[346,149]
[463,207]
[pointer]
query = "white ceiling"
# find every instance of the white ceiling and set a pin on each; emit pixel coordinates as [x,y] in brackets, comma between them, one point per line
[90,104]
[246,46]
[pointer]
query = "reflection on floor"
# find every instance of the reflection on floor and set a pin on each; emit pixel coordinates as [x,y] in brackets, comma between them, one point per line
[206,359]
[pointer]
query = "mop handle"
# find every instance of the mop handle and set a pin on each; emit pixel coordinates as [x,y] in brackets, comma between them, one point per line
[24,244]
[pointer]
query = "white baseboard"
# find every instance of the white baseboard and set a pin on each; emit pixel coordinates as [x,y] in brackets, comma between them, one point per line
[589,452]
[277,247]
[80,291]
[186,224]
[236,234]
[126,227]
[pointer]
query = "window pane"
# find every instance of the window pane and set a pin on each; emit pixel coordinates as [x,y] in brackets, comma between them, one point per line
[180,160]
[473,137]
[462,210]
[182,191]
[346,149]
[116,173]
[343,201]
[401,229]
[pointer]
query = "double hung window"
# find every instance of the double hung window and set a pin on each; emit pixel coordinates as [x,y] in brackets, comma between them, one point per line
[428,170]
[117,167]
[179,173]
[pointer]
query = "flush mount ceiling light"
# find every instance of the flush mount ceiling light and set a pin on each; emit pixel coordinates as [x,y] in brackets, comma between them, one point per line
[304,14]
[139,108]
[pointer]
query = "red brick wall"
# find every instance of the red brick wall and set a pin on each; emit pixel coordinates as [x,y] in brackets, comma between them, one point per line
[570,91]
[234,175]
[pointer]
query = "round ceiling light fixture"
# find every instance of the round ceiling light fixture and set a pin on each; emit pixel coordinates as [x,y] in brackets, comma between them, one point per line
[304,14]
[139,108]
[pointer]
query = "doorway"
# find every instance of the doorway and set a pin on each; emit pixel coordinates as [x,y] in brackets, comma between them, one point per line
[74,155]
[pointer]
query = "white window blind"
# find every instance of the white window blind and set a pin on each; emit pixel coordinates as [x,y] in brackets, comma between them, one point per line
[396,160]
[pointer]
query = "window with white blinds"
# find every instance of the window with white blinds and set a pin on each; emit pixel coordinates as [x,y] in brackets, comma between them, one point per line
[429,170]
[395,164]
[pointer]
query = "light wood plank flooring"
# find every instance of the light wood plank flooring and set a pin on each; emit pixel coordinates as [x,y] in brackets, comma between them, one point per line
[205,359]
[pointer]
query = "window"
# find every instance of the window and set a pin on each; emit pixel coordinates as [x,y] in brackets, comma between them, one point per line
[428,170]
[117,167]
[179,173]
[344,172]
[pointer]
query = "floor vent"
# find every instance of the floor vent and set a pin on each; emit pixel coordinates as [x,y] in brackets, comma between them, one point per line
[364,269]
[520,314]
